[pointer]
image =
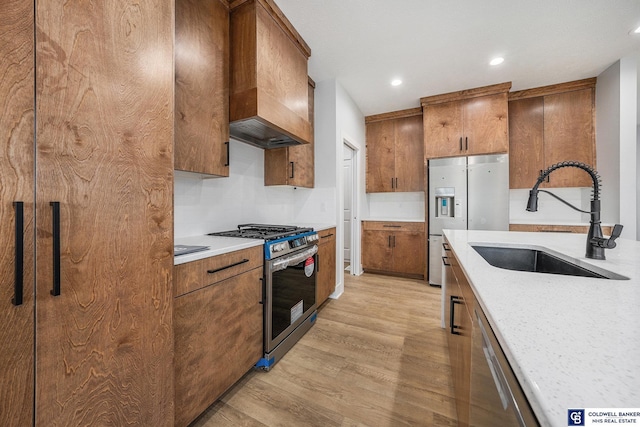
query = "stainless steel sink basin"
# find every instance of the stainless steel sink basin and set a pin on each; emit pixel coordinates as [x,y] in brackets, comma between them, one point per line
[540,261]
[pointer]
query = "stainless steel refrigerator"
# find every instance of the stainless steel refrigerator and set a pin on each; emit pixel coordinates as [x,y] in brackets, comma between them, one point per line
[465,193]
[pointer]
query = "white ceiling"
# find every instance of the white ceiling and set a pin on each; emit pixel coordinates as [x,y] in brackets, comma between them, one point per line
[439,46]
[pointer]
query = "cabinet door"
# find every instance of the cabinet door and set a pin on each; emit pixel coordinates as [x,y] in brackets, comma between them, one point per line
[569,135]
[377,253]
[409,154]
[17,183]
[326,279]
[443,130]
[526,141]
[202,87]
[218,338]
[486,129]
[380,156]
[409,253]
[104,97]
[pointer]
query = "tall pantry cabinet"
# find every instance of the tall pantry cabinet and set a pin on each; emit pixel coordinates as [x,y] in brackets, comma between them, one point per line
[94,150]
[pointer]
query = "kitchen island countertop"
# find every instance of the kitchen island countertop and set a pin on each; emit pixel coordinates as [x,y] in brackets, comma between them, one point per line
[573,342]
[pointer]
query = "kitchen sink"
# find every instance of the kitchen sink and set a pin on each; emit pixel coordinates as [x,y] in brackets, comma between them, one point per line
[539,260]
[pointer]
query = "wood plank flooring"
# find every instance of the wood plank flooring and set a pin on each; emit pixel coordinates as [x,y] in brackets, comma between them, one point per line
[375,357]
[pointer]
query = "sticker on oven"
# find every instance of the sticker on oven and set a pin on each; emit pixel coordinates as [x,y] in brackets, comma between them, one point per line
[309,267]
[296,311]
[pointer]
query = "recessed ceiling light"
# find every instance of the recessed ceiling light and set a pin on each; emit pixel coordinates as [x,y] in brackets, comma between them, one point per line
[497,61]
[396,82]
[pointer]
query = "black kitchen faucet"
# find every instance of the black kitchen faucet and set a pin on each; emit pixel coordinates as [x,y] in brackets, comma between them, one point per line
[596,243]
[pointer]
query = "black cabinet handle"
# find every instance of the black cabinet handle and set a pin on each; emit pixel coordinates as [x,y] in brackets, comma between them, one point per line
[392,187]
[394,241]
[446,247]
[391,226]
[389,243]
[444,261]
[18,284]
[56,248]
[548,179]
[454,300]
[228,154]
[328,235]
[292,170]
[396,183]
[466,143]
[460,143]
[228,266]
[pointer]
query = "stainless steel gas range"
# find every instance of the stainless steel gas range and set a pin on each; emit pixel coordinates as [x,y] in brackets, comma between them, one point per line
[289,284]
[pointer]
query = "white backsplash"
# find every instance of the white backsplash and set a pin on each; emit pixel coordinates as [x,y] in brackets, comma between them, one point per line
[550,210]
[396,206]
[205,205]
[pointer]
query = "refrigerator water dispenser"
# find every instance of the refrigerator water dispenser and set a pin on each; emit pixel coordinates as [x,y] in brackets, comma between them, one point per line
[445,202]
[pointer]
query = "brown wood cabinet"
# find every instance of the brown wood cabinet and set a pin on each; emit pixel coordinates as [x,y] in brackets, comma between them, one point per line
[326,278]
[467,122]
[268,82]
[101,290]
[218,327]
[395,160]
[16,212]
[548,125]
[394,248]
[202,87]
[293,165]
[459,304]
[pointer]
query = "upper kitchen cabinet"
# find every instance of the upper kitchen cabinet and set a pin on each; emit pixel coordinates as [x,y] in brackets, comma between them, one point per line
[86,128]
[548,125]
[394,152]
[467,122]
[202,87]
[269,86]
[293,165]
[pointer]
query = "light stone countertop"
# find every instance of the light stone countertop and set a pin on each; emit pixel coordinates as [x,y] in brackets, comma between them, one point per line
[218,245]
[573,342]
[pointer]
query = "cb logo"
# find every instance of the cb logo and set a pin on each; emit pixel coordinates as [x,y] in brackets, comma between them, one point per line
[576,417]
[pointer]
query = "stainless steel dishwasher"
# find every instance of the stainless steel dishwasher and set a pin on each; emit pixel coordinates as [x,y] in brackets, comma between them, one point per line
[496,397]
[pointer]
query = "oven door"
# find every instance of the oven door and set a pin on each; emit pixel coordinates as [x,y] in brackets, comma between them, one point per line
[290,294]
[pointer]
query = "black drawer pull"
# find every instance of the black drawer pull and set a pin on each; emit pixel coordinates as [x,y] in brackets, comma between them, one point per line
[391,226]
[446,246]
[444,261]
[228,266]
[228,154]
[328,235]
[454,300]
[292,170]
[18,284]
[56,248]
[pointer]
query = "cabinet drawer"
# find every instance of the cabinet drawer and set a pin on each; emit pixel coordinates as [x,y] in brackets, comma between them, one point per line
[198,274]
[326,236]
[416,227]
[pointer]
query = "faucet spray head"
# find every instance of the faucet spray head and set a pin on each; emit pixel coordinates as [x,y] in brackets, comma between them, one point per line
[532,204]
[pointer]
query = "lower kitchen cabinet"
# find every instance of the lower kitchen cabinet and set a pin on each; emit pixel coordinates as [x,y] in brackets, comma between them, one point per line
[396,248]
[459,327]
[326,278]
[218,331]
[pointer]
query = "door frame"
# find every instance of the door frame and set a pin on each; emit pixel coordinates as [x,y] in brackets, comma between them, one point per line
[356,264]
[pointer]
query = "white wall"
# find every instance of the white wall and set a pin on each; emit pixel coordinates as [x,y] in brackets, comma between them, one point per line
[616,142]
[401,206]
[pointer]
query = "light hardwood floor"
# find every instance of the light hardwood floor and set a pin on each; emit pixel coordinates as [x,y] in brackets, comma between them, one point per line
[375,357]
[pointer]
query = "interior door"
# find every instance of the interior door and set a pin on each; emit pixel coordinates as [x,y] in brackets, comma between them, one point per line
[104,100]
[348,199]
[16,212]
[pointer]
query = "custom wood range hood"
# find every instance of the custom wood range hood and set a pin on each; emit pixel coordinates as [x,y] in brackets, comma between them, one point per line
[268,104]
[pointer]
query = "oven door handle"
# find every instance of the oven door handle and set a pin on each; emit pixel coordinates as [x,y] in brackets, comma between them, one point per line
[293,259]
